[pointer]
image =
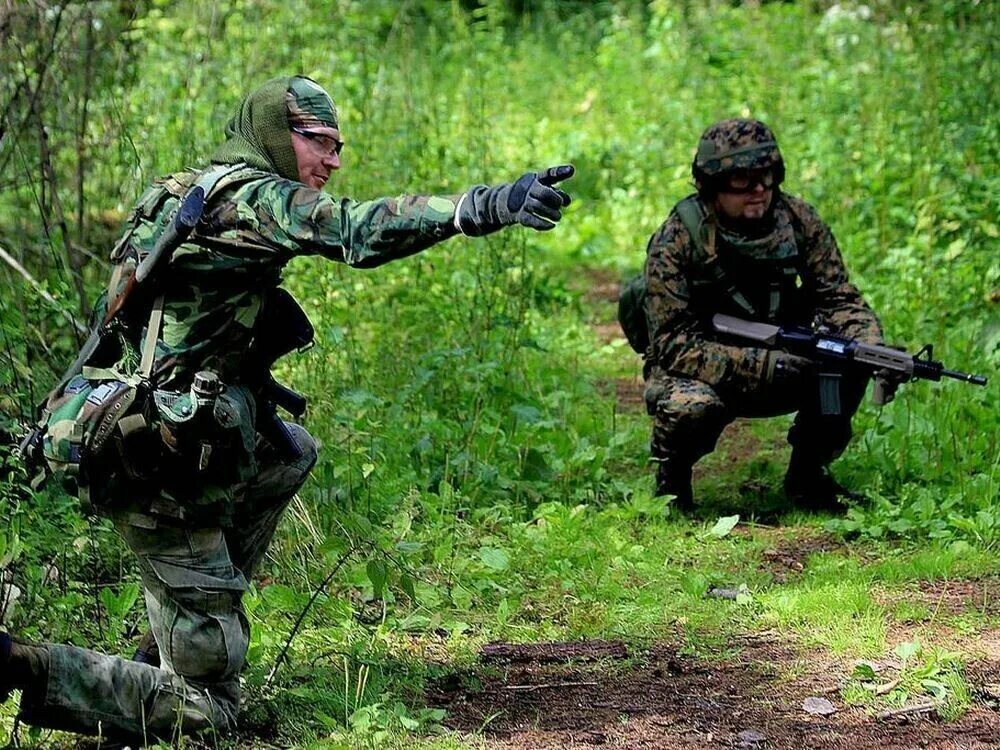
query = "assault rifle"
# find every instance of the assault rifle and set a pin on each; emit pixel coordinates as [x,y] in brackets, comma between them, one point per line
[837,353]
[282,327]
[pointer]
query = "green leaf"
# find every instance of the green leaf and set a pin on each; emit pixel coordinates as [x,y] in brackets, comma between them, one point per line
[723,526]
[378,573]
[864,672]
[526,413]
[907,650]
[406,583]
[495,558]
[936,688]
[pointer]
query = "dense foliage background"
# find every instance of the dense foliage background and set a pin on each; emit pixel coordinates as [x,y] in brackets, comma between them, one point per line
[475,465]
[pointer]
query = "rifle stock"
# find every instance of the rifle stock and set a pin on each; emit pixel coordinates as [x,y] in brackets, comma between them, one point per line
[188,214]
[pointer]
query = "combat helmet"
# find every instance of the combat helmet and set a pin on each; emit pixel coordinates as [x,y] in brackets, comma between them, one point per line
[738,143]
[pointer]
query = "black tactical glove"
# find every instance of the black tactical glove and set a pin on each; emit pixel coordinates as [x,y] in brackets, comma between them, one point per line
[783,368]
[532,201]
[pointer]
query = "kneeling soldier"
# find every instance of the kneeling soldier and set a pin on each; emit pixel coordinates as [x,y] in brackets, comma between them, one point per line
[211,467]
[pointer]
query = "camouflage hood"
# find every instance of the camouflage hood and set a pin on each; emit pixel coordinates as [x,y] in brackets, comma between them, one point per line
[258,133]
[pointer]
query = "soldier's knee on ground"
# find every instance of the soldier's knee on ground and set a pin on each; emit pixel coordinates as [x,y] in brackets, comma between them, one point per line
[170,711]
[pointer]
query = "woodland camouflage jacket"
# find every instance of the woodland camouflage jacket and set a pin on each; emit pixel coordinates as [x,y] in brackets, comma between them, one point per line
[683,293]
[215,283]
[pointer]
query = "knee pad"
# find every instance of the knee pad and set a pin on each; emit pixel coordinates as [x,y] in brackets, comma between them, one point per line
[308,447]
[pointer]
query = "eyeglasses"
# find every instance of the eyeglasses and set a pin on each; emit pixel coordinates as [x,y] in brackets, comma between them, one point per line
[747,180]
[326,144]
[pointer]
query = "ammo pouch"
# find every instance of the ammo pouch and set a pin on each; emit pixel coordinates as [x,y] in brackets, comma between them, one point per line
[206,442]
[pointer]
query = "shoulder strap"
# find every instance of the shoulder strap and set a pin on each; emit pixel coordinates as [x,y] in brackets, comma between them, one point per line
[700,224]
[218,177]
[798,231]
[695,218]
[798,228]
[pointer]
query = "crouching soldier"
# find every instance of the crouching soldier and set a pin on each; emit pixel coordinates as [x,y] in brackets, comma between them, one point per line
[742,247]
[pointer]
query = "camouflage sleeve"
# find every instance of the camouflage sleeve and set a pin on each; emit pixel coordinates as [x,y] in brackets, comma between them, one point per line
[837,301]
[304,221]
[680,342]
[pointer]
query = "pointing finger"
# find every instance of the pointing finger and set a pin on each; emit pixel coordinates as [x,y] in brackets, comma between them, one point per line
[552,175]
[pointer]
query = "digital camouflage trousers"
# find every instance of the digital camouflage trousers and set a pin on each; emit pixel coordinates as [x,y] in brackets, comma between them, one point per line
[194,580]
[689,415]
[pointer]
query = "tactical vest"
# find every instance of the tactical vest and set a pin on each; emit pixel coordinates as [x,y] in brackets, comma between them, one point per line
[100,424]
[762,289]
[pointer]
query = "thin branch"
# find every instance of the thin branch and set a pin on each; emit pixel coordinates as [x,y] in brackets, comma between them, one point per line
[919,708]
[12,262]
[302,615]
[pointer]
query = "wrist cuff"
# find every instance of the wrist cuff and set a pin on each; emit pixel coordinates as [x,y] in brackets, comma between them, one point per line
[458,213]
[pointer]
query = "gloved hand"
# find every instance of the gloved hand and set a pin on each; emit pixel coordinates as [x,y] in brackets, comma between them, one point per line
[533,201]
[781,367]
[886,384]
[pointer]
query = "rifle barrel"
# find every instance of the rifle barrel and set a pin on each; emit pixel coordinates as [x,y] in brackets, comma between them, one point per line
[967,377]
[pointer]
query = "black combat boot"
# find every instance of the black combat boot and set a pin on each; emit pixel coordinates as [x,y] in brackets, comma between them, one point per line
[809,484]
[148,651]
[673,477]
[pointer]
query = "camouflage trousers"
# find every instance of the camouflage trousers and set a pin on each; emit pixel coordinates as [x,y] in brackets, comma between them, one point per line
[194,580]
[689,415]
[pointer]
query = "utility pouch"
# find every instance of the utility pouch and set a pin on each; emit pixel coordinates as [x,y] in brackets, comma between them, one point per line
[93,434]
[207,440]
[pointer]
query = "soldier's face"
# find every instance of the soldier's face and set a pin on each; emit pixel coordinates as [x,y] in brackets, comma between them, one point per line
[746,206]
[317,152]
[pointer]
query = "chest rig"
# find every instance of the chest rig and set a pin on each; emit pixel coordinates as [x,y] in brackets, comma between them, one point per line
[759,280]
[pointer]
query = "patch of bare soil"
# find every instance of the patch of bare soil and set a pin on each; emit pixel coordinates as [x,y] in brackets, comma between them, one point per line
[980,595]
[608,332]
[587,694]
[602,286]
[787,555]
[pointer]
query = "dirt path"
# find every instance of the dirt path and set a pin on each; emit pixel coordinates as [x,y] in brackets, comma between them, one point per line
[604,694]
[597,693]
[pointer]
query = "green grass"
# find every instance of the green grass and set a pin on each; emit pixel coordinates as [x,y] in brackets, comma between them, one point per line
[473,459]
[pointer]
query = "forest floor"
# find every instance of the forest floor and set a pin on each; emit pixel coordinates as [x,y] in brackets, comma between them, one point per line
[600,693]
[762,689]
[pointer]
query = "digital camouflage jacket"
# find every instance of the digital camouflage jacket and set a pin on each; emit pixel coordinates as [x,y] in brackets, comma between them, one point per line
[795,276]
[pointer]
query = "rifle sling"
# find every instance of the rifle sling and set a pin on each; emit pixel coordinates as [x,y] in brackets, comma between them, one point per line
[152,334]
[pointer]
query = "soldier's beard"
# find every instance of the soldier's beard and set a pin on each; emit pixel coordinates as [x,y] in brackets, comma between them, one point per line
[748,228]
